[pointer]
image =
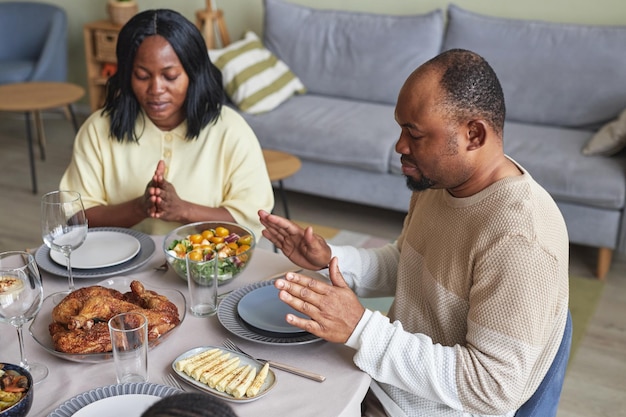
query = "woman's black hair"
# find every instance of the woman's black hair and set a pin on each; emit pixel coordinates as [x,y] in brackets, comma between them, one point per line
[205,93]
[190,405]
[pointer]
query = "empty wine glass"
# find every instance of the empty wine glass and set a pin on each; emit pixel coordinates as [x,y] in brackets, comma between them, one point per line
[21,295]
[63,225]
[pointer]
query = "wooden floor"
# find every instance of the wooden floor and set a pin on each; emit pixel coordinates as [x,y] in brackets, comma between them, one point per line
[595,384]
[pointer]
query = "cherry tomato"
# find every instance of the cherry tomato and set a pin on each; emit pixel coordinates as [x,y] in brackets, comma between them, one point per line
[217,239]
[195,255]
[221,231]
[196,238]
[207,247]
[245,240]
[208,234]
[241,249]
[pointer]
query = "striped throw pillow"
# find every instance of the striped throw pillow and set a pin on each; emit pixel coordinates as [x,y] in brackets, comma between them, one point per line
[254,78]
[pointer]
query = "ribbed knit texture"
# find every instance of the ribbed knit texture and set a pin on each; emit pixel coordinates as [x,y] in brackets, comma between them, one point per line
[481,301]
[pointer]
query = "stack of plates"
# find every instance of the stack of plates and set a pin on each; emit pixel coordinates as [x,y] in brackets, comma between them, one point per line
[106,251]
[256,313]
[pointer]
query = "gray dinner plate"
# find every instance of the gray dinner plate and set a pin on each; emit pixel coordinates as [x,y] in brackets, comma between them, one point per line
[229,318]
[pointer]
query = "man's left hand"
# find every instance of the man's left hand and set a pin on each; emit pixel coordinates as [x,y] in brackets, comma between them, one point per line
[334,310]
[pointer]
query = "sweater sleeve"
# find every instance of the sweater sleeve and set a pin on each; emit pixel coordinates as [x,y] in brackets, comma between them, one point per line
[369,272]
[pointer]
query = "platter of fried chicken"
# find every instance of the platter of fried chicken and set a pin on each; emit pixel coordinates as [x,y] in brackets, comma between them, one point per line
[76,328]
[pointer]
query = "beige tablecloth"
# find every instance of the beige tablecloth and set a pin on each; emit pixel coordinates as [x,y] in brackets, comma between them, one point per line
[339,395]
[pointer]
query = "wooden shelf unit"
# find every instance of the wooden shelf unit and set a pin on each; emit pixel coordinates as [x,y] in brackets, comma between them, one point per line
[100,40]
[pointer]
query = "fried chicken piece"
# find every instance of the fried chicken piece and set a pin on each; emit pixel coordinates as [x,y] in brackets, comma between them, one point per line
[83,316]
[73,303]
[161,313]
[94,340]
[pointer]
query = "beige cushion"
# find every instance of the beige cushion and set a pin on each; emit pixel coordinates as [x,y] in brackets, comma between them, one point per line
[255,80]
[609,140]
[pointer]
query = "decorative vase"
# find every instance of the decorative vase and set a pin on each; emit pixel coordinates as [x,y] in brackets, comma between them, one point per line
[120,12]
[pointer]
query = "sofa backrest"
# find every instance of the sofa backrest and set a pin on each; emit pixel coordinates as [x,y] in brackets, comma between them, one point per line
[352,55]
[551,73]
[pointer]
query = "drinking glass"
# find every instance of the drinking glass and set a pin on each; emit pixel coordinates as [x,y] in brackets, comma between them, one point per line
[21,295]
[63,225]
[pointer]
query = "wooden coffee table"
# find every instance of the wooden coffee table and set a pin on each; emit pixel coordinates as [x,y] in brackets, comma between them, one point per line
[281,165]
[32,98]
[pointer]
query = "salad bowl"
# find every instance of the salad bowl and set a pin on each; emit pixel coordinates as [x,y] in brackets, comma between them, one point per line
[230,244]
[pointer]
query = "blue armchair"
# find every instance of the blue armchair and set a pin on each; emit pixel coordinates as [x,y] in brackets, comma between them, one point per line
[33,42]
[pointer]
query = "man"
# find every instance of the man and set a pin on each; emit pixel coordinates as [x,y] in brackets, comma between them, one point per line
[479,272]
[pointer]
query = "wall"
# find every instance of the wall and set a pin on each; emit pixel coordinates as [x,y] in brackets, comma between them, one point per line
[242,15]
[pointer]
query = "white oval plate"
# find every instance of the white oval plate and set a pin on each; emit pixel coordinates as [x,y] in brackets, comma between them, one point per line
[101,249]
[132,405]
[263,309]
[71,407]
[269,383]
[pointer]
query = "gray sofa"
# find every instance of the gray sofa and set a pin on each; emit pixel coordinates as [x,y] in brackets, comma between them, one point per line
[562,82]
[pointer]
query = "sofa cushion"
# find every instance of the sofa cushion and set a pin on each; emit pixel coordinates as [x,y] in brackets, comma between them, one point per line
[551,73]
[609,140]
[330,130]
[254,79]
[352,55]
[15,71]
[552,157]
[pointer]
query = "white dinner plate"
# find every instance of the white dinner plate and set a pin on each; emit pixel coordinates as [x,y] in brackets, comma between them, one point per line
[147,247]
[229,318]
[131,405]
[72,407]
[100,249]
[261,308]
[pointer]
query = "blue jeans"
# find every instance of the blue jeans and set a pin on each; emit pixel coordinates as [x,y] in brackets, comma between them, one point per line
[545,401]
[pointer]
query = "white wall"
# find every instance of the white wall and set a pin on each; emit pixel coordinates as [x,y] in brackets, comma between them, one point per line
[242,15]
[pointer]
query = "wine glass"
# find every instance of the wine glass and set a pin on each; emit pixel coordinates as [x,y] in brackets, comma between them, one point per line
[21,296]
[63,225]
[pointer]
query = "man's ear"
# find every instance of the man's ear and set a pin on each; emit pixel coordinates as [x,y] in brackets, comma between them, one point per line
[476,134]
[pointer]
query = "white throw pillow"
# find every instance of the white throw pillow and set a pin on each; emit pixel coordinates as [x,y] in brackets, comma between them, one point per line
[253,77]
[609,140]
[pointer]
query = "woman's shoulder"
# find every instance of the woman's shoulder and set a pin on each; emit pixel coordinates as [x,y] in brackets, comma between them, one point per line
[229,114]
[98,119]
[231,121]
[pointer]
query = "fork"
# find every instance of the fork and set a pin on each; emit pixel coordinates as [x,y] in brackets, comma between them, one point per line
[171,380]
[229,344]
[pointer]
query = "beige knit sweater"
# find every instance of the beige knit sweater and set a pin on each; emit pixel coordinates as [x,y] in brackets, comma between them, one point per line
[481,299]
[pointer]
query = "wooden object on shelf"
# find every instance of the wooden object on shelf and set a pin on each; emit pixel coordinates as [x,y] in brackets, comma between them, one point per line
[100,41]
[207,20]
[120,12]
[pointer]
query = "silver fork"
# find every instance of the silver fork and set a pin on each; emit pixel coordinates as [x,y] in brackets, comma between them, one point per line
[229,344]
[171,380]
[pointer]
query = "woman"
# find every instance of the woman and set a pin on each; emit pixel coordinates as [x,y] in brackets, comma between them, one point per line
[164,151]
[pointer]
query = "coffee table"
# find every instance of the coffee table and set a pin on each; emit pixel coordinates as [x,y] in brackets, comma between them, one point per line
[281,165]
[32,98]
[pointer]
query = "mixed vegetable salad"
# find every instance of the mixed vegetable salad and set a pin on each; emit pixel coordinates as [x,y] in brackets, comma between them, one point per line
[13,387]
[228,248]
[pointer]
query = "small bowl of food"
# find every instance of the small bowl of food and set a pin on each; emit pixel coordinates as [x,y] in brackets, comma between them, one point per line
[16,390]
[230,244]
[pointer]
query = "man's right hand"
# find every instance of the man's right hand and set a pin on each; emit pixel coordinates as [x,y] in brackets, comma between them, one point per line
[303,247]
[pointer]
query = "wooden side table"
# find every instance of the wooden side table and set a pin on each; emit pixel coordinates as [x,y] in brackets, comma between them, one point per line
[281,165]
[32,98]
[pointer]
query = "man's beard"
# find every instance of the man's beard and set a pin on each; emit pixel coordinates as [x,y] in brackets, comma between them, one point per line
[422,184]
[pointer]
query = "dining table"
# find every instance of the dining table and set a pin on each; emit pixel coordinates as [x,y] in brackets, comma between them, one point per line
[340,394]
